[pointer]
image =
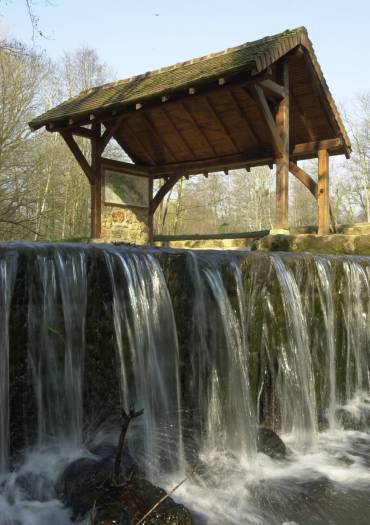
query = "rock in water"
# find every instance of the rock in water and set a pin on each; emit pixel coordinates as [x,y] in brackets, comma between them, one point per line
[269,443]
[136,498]
[85,480]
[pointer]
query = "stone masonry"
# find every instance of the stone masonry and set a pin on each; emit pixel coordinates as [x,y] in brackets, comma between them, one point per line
[124,224]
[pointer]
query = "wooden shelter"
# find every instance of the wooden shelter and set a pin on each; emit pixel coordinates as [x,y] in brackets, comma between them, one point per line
[262,103]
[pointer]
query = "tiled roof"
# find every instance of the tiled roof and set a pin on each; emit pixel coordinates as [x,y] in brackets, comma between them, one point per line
[257,55]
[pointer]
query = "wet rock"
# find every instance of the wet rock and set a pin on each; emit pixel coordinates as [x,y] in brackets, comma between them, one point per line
[85,480]
[130,503]
[269,443]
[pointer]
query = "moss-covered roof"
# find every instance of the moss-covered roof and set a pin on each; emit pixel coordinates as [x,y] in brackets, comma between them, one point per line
[258,54]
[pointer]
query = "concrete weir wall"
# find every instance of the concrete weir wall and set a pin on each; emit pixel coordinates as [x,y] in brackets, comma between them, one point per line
[125,224]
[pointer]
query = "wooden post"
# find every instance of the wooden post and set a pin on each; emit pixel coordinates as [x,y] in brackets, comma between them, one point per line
[282,161]
[323,193]
[96,185]
[150,212]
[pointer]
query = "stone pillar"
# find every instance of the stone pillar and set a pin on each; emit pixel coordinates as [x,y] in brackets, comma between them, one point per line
[125,224]
[125,199]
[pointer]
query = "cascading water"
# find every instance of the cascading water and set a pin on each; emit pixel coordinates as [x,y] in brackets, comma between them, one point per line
[8,268]
[210,345]
[149,363]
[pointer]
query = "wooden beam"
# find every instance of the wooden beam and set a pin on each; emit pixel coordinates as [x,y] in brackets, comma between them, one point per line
[266,114]
[312,148]
[75,130]
[78,155]
[323,193]
[126,167]
[162,192]
[304,177]
[110,130]
[96,186]
[257,157]
[282,157]
[240,160]
[273,89]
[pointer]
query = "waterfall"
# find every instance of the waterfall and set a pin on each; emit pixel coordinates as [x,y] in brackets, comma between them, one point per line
[220,362]
[8,269]
[148,355]
[211,345]
[56,336]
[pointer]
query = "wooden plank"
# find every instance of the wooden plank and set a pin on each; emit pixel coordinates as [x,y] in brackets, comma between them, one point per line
[265,112]
[282,157]
[304,177]
[78,155]
[209,236]
[323,193]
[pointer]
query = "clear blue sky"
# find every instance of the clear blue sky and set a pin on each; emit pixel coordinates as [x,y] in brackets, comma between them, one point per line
[136,36]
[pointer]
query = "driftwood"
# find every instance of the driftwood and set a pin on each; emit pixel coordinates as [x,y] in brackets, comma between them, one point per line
[166,496]
[126,420]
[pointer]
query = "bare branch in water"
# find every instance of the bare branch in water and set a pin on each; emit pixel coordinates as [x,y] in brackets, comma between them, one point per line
[126,420]
[166,496]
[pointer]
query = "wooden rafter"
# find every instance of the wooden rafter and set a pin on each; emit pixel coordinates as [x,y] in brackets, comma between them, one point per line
[216,117]
[142,146]
[243,114]
[268,118]
[273,89]
[78,155]
[161,144]
[177,132]
[110,130]
[189,112]
[302,117]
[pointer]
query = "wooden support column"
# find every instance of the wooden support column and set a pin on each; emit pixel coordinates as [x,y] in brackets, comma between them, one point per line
[151,212]
[96,184]
[282,160]
[323,193]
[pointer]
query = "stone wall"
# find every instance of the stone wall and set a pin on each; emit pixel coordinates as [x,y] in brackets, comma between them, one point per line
[124,224]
